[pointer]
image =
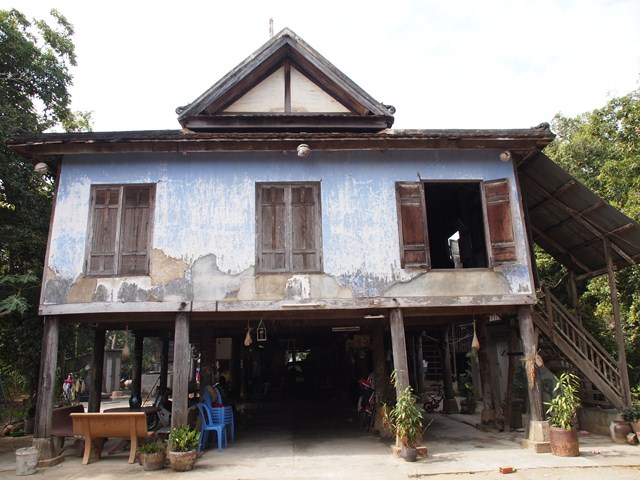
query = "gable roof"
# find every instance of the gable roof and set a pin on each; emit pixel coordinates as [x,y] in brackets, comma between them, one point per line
[285,86]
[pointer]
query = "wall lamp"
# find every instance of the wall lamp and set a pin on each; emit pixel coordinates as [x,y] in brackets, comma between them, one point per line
[303,150]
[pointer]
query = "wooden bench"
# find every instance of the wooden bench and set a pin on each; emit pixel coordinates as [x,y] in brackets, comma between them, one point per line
[61,425]
[97,427]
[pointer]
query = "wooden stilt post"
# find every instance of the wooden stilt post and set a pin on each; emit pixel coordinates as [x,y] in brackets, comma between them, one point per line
[206,357]
[538,438]
[164,364]
[622,356]
[48,363]
[494,368]
[449,403]
[136,365]
[181,362]
[97,370]
[419,360]
[399,349]
[381,377]
[485,371]
[42,438]
[573,294]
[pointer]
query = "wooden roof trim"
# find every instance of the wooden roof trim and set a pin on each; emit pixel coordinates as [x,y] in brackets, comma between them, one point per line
[32,146]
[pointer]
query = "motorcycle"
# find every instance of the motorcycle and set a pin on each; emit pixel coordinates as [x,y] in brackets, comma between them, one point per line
[161,418]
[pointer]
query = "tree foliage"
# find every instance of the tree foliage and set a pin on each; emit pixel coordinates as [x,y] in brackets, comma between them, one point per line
[35,61]
[602,149]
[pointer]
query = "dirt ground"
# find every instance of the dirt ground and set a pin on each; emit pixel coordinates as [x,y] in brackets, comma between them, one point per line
[592,473]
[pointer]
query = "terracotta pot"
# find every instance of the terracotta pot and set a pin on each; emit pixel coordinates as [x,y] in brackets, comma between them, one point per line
[636,427]
[564,443]
[409,454]
[619,430]
[152,461]
[182,461]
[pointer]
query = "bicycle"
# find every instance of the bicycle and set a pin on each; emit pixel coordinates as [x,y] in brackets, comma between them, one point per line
[433,403]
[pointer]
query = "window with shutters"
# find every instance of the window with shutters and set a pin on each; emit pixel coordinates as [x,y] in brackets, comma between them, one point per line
[120,233]
[450,224]
[289,227]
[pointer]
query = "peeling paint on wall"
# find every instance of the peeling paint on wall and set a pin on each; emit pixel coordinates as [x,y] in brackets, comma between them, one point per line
[204,226]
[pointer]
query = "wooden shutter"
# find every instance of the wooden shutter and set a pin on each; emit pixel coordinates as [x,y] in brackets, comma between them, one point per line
[272,252]
[499,221]
[105,209]
[305,229]
[134,230]
[412,224]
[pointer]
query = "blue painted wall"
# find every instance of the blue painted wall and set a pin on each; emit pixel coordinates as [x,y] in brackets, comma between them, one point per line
[205,205]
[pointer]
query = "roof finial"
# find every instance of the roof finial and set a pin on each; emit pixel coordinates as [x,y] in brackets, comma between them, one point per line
[270,27]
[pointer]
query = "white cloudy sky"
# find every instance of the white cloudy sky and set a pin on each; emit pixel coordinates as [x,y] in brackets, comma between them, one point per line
[442,64]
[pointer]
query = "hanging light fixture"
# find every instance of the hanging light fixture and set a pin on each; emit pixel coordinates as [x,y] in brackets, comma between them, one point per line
[261,332]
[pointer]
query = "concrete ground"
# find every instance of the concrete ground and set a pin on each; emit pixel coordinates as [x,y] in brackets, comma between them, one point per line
[290,443]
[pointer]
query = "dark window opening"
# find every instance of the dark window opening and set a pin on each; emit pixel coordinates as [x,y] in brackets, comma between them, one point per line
[455,225]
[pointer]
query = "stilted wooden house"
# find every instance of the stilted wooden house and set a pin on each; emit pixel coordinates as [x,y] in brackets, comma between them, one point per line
[287,208]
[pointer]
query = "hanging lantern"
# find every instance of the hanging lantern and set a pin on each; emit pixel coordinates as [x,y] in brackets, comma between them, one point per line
[261,332]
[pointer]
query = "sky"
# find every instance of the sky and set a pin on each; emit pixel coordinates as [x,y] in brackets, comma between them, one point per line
[441,64]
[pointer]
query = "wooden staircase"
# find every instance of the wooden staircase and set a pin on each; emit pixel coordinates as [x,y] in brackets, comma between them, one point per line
[580,348]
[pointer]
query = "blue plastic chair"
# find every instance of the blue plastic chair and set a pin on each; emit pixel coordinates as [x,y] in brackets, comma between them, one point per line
[228,412]
[210,423]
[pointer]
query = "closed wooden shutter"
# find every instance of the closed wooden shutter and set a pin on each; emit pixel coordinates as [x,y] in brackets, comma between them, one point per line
[134,233]
[305,229]
[272,252]
[102,256]
[289,228]
[499,221]
[412,225]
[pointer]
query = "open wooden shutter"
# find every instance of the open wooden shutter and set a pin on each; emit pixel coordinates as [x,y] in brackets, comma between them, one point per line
[272,251]
[134,233]
[412,225]
[305,229]
[499,221]
[102,255]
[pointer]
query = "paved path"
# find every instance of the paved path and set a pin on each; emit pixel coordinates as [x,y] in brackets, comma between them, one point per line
[302,445]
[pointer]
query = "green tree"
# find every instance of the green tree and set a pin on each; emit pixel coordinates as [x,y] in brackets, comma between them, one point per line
[35,78]
[602,149]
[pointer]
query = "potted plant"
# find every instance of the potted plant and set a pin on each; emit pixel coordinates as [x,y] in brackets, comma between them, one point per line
[152,455]
[406,422]
[468,404]
[562,412]
[181,449]
[632,416]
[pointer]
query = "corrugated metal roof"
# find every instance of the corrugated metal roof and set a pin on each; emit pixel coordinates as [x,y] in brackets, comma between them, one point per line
[571,222]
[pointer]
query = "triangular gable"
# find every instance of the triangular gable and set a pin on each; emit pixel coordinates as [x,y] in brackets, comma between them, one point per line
[285,86]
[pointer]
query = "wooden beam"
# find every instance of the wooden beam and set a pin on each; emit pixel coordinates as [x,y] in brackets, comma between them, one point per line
[560,248]
[622,356]
[181,363]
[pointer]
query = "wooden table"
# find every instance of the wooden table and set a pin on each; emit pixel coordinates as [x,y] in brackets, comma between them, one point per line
[122,444]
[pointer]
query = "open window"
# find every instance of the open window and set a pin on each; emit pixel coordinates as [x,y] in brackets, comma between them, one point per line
[446,225]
